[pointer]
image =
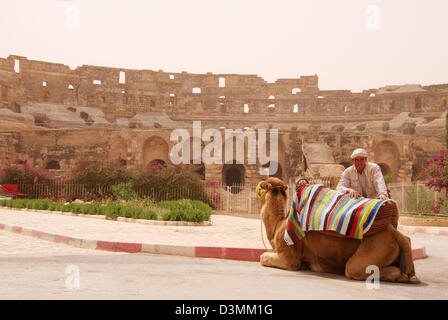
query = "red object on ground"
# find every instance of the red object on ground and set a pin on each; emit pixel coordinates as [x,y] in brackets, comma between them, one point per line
[11,189]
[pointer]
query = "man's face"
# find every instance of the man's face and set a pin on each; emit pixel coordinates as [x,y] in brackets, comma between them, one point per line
[359,163]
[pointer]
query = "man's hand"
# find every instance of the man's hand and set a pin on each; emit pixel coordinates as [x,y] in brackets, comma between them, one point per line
[353,193]
[382,197]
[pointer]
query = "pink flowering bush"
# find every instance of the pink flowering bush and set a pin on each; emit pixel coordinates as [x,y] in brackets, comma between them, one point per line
[436,176]
[23,173]
[164,177]
[99,171]
[436,172]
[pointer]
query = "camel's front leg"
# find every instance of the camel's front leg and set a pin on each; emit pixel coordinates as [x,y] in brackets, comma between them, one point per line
[275,260]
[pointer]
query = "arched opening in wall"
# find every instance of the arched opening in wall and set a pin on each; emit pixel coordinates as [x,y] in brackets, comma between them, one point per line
[392,105]
[53,165]
[118,150]
[296,90]
[222,82]
[417,169]
[155,148]
[122,77]
[278,173]
[233,176]
[246,108]
[296,108]
[172,99]
[385,169]
[418,103]
[387,153]
[70,91]
[222,107]
[157,163]
[17,65]
[346,164]
[196,90]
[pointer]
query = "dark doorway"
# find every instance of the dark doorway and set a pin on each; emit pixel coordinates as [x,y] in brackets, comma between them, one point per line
[53,164]
[233,176]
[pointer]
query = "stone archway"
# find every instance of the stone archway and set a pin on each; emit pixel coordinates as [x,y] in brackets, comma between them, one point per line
[157,162]
[233,175]
[386,171]
[118,150]
[387,154]
[53,165]
[155,148]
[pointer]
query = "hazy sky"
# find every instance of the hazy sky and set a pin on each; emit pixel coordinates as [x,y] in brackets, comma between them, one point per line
[349,44]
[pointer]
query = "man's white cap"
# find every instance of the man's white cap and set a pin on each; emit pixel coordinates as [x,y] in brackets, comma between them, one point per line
[359,152]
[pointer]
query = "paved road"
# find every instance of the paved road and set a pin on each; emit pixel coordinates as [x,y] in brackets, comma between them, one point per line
[31,268]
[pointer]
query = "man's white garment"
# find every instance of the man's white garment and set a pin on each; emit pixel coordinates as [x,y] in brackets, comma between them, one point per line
[369,184]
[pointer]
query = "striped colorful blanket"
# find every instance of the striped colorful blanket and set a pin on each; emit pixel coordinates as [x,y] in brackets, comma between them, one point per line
[318,208]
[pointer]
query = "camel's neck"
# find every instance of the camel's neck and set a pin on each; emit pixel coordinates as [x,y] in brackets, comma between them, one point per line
[273,215]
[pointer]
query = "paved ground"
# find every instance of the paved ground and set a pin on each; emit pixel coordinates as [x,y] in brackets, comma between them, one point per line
[225,231]
[32,268]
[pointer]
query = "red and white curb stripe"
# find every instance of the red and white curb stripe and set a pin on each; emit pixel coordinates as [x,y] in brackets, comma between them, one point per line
[245,254]
[423,230]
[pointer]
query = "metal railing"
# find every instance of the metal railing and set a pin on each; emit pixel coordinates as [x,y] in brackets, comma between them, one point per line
[412,198]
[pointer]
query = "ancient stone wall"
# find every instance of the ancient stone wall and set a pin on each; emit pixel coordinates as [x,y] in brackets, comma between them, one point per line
[52,113]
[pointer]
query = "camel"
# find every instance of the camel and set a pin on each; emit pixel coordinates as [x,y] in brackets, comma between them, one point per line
[324,251]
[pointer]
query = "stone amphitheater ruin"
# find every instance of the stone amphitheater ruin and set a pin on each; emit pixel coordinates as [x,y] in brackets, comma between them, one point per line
[53,115]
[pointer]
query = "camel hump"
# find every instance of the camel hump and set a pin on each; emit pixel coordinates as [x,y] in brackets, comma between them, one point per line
[387,214]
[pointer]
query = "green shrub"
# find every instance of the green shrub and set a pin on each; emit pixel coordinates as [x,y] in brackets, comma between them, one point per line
[186,210]
[124,191]
[179,210]
[112,211]
[148,215]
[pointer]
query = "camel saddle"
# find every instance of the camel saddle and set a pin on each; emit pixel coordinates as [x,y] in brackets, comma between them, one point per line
[319,208]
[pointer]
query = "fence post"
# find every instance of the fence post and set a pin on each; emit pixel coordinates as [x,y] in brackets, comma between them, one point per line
[250,199]
[418,200]
[402,197]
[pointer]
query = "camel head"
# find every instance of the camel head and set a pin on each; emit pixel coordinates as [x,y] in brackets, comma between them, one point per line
[272,192]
